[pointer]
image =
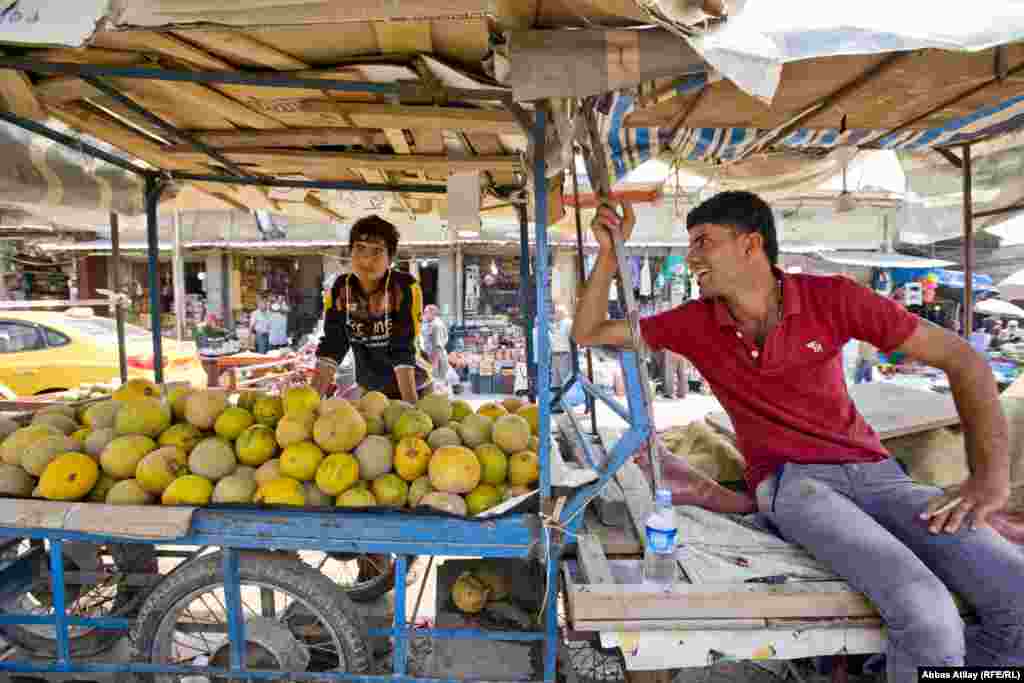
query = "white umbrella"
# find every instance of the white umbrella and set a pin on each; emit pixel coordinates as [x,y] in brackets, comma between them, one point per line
[999,307]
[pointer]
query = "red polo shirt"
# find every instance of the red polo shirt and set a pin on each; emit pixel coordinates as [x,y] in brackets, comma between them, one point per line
[788,402]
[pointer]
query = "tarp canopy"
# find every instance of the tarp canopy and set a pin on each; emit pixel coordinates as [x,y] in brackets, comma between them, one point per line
[999,307]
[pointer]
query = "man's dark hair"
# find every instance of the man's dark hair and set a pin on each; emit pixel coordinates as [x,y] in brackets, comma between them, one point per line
[744,211]
[375,228]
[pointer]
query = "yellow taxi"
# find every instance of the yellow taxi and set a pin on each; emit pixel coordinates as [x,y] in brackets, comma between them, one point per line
[47,351]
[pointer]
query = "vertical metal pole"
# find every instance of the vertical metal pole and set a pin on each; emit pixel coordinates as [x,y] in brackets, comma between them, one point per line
[540,204]
[524,297]
[154,188]
[581,277]
[60,613]
[233,603]
[968,245]
[115,248]
[225,289]
[178,276]
[401,653]
[460,284]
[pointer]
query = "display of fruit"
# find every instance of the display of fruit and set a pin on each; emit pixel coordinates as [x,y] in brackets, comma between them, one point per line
[470,594]
[176,445]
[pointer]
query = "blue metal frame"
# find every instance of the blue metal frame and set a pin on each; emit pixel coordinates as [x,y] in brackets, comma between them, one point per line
[523,536]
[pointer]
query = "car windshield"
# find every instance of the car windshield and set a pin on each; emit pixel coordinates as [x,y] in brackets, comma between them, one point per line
[103,329]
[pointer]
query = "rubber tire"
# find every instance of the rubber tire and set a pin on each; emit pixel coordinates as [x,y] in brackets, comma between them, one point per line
[131,558]
[273,569]
[381,585]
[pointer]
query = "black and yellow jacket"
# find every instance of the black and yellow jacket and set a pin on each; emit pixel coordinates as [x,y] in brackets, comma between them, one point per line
[381,328]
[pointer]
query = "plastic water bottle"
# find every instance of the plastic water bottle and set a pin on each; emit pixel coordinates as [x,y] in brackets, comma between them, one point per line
[660,565]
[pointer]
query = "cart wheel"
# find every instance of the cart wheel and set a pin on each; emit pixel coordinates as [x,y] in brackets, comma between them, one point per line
[296,619]
[364,578]
[108,598]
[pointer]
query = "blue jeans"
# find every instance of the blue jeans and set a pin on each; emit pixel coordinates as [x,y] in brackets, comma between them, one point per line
[262,342]
[863,372]
[861,520]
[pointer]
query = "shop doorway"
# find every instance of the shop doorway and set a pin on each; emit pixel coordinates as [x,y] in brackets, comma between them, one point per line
[428,281]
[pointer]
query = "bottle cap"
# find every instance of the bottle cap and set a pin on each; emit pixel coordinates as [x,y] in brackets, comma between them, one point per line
[663,497]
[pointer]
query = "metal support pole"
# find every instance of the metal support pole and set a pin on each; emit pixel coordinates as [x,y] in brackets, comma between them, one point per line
[154,188]
[968,207]
[400,655]
[225,289]
[233,603]
[60,610]
[115,249]
[524,297]
[581,274]
[540,205]
[178,276]
[460,284]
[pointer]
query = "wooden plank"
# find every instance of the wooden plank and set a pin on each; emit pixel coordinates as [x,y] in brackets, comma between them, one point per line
[87,55]
[133,521]
[164,44]
[661,676]
[670,625]
[242,49]
[617,603]
[370,115]
[403,37]
[592,563]
[299,161]
[18,96]
[891,410]
[195,95]
[289,137]
[637,494]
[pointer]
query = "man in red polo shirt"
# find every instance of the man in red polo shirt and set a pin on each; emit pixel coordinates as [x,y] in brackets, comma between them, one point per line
[769,344]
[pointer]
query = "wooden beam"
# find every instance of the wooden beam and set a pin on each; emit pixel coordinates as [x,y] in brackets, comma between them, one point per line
[17,95]
[289,137]
[242,49]
[195,95]
[369,115]
[615,603]
[942,105]
[314,202]
[950,157]
[88,55]
[289,161]
[830,100]
[165,44]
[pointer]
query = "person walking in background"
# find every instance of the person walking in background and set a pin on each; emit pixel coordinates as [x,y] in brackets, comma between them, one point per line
[259,326]
[278,326]
[561,359]
[867,359]
[435,339]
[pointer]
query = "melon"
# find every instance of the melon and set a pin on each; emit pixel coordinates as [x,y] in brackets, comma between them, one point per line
[67,411]
[268,471]
[268,410]
[256,445]
[202,408]
[470,594]
[418,489]
[122,455]
[411,458]
[301,460]
[493,463]
[247,471]
[460,409]
[232,422]
[438,407]
[315,497]
[332,404]
[356,497]
[445,502]
[454,469]
[376,457]
[212,459]
[390,490]
[101,415]
[98,440]
[483,497]
[492,575]
[294,428]
[99,491]
[491,410]
[146,416]
[300,399]
[336,473]
[234,489]
[128,492]
[374,425]
[7,427]
[37,456]
[190,489]
[531,413]
[512,405]
[393,412]
[475,430]
[159,468]
[412,423]
[136,388]
[15,482]
[373,403]
[511,433]
[58,421]
[18,442]
[339,431]
[247,398]
[183,435]
[283,491]
[523,468]
[179,404]
[443,436]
